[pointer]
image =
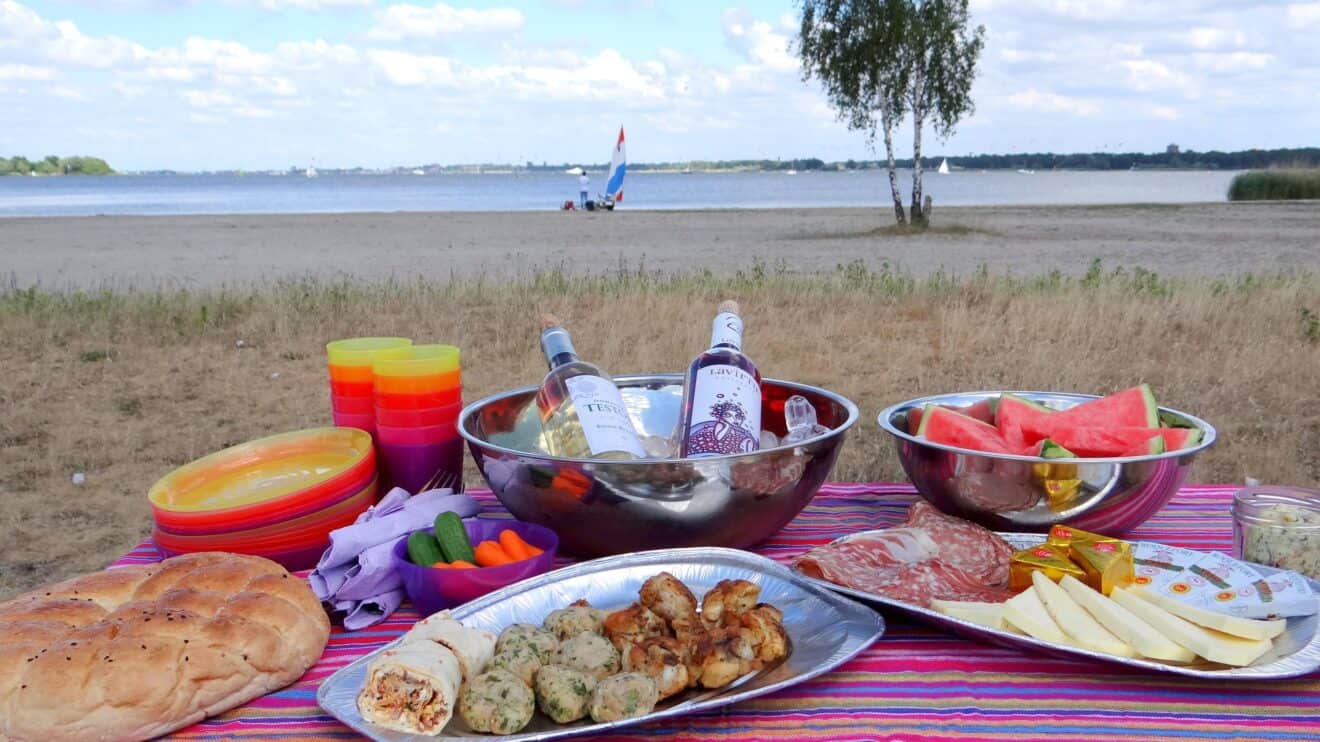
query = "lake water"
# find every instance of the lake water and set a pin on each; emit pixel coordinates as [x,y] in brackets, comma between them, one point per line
[265,194]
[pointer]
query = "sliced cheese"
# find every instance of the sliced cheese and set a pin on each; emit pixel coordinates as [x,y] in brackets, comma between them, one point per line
[1076,622]
[972,611]
[1026,612]
[1247,628]
[1215,646]
[1125,625]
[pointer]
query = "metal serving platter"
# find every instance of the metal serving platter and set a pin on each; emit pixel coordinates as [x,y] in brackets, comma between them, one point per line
[825,630]
[1296,651]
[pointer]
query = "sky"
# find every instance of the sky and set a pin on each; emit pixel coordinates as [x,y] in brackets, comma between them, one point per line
[259,84]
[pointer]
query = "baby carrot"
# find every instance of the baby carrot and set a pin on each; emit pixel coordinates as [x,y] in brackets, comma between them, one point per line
[460,564]
[514,546]
[489,554]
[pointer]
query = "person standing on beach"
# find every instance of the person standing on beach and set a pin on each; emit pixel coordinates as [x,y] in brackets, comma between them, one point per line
[584,187]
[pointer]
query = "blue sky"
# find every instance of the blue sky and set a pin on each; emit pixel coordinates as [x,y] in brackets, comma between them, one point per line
[209,84]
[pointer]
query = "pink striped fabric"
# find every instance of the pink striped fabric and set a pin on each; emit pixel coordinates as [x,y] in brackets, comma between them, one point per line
[915,683]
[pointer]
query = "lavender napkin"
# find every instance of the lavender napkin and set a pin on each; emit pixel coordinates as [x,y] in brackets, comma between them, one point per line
[365,613]
[356,574]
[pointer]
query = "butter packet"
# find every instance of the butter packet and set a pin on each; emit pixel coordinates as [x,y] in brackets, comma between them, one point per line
[1065,536]
[1108,563]
[1156,566]
[1053,561]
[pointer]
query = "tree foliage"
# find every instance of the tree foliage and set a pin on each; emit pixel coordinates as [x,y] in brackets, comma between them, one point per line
[55,165]
[879,60]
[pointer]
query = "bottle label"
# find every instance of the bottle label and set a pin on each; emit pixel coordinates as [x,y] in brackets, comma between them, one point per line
[726,330]
[603,416]
[726,412]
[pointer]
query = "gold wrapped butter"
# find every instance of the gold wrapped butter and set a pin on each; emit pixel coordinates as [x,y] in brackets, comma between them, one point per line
[1053,561]
[1108,564]
[1065,536]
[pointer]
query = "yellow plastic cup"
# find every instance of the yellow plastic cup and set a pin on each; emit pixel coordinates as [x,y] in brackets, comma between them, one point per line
[420,360]
[363,351]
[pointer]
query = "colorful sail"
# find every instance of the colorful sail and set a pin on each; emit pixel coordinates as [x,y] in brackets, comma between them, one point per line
[618,166]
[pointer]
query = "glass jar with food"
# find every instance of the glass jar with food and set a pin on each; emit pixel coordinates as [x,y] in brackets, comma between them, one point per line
[1278,526]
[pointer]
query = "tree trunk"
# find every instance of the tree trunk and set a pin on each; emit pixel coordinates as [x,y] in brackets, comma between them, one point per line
[918,121]
[887,121]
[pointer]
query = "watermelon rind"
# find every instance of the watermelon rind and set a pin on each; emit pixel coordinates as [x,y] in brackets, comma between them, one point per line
[1051,450]
[1025,401]
[925,418]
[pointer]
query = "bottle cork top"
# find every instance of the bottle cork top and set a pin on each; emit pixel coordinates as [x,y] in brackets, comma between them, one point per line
[729,305]
[549,320]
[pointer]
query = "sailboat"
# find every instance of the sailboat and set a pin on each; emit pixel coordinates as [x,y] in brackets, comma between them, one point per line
[944,167]
[614,181]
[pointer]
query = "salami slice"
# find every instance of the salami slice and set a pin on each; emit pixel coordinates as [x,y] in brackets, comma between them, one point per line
[862,555]
[975,550]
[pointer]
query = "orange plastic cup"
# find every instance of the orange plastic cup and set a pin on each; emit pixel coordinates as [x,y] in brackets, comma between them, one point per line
[432,384]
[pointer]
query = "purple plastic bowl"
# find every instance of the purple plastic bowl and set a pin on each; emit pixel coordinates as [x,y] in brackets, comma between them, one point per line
[432,589]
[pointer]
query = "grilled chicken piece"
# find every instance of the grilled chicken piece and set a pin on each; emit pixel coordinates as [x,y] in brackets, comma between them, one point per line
[662,659]
[728,598]
[633,625]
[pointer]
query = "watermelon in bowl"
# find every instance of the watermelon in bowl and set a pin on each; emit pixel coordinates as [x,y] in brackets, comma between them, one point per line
[1102,464]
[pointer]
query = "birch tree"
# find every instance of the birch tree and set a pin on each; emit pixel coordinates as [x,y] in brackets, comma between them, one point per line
[941,55]
[856,49]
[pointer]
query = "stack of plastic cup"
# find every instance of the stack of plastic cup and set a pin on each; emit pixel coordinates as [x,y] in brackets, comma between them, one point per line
[352,380]
[418,395]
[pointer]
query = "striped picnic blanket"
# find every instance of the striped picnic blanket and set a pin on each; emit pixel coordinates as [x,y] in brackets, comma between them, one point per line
[915,682]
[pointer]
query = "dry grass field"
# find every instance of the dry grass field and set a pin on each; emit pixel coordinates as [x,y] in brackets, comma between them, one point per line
[125,387]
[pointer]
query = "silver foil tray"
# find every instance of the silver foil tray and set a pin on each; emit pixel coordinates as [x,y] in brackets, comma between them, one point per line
[825,631]
[1296,651]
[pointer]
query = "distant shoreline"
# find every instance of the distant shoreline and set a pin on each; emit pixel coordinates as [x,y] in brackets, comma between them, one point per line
[202,252]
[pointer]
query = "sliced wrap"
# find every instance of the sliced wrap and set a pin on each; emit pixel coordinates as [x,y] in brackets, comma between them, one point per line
[473,647]
[412,688]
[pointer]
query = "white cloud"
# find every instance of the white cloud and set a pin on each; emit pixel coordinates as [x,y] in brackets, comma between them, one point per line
[411,70]
[757,41]
[313,4]
[1148,74]
[1204,37]
[27,72]
[1304,14]
[1036,100]
[66,93]
[209,98]
[398,22]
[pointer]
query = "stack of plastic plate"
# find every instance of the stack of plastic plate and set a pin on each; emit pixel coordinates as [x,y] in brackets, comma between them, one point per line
[276,497]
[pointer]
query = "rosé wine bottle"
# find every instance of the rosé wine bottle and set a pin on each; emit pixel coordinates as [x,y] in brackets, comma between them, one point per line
[721,394]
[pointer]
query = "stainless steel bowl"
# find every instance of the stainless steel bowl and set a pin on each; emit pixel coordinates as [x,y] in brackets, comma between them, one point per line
[602,507]
[1111,495]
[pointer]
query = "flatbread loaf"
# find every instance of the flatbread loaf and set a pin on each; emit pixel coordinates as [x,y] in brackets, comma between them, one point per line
[137,652]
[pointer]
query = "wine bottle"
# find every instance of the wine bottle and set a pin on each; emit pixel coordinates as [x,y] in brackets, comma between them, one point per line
[722,394]
[582,413]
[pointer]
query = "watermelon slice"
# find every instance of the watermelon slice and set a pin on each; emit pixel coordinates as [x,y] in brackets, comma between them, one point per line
[983,411]
[1179,438]
[1089,442]
[949,428]
[1130,408]
[1047,449]
[1010,414]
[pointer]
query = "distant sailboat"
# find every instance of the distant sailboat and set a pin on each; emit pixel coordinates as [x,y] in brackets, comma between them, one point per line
[311,171]
[944,167]
[618,168]
[1025,171]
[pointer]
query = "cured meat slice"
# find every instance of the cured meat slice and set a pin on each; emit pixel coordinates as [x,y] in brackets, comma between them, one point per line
[921,583]
[974,550]
[863,556]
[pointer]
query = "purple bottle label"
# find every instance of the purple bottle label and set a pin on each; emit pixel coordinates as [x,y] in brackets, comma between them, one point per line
[726,412]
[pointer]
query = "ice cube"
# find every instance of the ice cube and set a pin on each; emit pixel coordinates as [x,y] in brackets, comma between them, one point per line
[659,447]
[798,413]
[797,435]
[768,439]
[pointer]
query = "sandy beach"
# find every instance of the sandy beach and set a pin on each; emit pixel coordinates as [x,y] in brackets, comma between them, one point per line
[208,251]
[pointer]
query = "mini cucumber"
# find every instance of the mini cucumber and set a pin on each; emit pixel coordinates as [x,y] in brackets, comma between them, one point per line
[453,538]
[423,549]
